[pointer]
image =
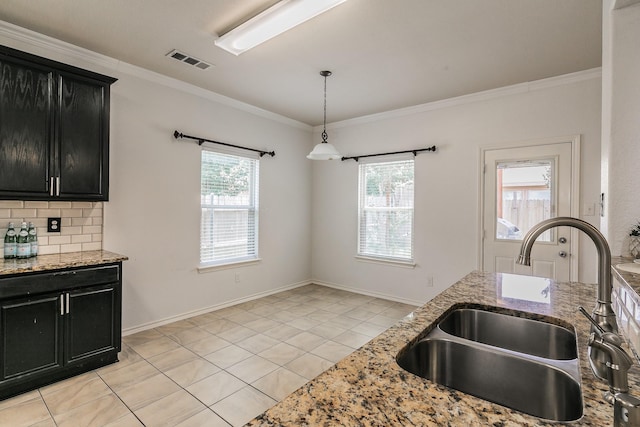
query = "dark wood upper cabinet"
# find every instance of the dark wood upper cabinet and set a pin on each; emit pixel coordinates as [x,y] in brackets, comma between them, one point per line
[54,130]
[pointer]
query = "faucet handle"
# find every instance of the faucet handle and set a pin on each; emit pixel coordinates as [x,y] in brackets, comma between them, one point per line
[596,327]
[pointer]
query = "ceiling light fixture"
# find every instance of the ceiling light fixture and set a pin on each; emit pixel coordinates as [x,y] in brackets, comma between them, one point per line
[279,18]
[324,150]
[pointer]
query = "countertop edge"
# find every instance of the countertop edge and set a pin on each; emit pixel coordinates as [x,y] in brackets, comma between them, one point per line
[58,261]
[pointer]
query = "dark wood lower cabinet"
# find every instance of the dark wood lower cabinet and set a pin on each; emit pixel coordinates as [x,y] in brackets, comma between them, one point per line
[69,322]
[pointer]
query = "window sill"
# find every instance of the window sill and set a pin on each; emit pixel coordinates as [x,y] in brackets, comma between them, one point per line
[209,268]
[390,262]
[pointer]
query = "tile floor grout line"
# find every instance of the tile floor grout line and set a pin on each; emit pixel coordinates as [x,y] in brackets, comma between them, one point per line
[47,406]
[273,321]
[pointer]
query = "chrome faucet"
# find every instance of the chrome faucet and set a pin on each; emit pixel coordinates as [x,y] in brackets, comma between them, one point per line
[603,312]
[626,408]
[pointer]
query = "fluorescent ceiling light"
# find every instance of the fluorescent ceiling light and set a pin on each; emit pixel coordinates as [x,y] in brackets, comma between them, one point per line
[279,18]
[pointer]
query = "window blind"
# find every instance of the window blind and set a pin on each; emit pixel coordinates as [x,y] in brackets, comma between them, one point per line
[229,202]
[385,217]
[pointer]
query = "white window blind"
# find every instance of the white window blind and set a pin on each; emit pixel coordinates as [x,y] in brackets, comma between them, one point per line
[385,219]
[229,201]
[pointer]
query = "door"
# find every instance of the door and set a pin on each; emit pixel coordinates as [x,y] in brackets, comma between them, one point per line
[522,187]
[91,323]
[26,118]
[82,141]
[31,333]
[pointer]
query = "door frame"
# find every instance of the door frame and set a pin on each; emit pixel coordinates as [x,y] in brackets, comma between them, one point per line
[575,141]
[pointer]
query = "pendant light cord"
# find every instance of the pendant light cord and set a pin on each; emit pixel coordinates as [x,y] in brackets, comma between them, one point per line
[324,127]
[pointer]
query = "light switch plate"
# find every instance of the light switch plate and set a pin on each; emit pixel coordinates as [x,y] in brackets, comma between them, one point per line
[53,225]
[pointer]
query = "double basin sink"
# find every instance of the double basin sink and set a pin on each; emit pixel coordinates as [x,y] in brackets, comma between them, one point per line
[530,365]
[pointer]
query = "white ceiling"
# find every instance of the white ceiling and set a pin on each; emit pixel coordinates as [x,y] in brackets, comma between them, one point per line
[384,54]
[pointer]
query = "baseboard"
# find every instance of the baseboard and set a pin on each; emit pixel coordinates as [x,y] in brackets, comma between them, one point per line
[155,324]
[368,293]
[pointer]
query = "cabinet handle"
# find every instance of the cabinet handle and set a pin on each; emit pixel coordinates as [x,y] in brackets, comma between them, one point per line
[67,302]
[61,305]
[51,184]
[57,185]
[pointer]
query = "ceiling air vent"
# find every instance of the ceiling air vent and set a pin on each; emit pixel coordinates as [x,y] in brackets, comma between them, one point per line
[187,59]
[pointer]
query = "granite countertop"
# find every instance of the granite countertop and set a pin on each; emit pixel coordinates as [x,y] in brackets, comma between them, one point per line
[631,279]
[368,388]
[58,261]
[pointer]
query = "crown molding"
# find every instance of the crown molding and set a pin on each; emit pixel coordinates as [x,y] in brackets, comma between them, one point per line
[36,43]
[565,79]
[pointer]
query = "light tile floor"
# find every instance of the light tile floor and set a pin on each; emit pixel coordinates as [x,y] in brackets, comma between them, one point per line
[218,369]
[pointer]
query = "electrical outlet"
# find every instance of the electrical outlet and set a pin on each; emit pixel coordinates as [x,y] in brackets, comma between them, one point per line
[429,281]
[237,277]
[54,225]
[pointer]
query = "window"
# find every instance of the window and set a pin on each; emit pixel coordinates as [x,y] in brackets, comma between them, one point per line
[386,210]
[229,201]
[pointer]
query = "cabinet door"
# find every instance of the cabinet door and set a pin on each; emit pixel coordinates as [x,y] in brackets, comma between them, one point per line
[83,136]
[26,124]
[93,323]
[31,331]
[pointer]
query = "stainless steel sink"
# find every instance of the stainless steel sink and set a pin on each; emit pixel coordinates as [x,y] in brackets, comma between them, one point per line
[511,332]
[481,353]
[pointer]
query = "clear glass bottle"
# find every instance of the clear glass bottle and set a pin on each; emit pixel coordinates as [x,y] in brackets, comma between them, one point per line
[10,243]
[24,246]
[33,239]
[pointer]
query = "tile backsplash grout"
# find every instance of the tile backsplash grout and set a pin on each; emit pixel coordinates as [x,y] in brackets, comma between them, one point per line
[81,223]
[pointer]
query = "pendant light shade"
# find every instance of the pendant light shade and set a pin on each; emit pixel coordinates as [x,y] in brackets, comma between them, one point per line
[324,150]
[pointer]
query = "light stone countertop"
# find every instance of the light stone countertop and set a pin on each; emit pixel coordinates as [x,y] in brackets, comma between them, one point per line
[368,388]
[58,261]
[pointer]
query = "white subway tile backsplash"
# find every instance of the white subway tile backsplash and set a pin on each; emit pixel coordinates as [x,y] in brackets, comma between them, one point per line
[46,213]
[72,213]
[22,213]
[60,205]
[76,247]
[91,229]
[70,230]
[93,246]
[81,238]
[82,205]
[16,204]
[36,204]
[59,240]
[92,213]
[81,223]
[49,249]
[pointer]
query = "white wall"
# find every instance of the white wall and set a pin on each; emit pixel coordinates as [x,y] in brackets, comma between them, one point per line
[447,189]
[621,123]
[153,214]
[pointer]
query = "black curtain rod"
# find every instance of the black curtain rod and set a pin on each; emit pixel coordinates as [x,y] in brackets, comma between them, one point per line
[177,135]
[415,153]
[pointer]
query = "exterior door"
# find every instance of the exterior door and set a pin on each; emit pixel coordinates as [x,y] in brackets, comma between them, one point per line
[522,187]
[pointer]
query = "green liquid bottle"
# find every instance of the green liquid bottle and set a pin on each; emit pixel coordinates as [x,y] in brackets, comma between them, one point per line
[10,243]
[33,239]
[24,246]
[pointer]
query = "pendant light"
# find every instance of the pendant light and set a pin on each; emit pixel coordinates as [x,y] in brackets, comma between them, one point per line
[324,150]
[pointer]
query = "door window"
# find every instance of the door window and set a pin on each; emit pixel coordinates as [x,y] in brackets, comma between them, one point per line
[524,197]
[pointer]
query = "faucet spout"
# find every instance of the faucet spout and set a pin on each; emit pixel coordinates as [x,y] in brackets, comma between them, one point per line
[603,312]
